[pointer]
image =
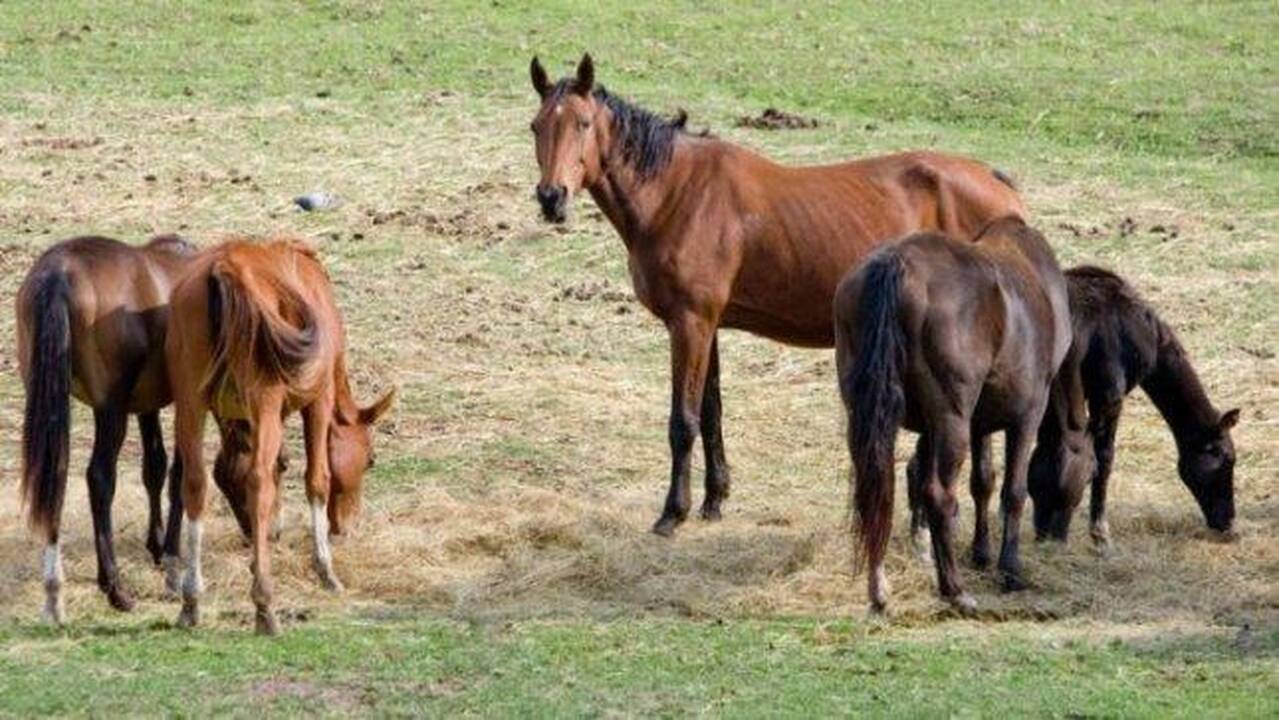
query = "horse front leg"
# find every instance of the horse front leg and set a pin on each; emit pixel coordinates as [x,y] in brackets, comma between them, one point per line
[917,470]
[691,340]
[110,424]
[316,419]
[717,477]
[1105,423]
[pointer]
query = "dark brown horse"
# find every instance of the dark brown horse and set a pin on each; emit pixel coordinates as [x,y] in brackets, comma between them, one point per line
[953,340]
[256,335]
[718,236]
[1120,343]
[91,324]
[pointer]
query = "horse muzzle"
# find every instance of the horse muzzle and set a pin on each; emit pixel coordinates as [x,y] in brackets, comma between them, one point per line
[554,202]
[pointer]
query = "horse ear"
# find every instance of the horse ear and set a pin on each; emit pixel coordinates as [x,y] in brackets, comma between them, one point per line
[541,83]
[585,75]
[1229,420]
[374,412]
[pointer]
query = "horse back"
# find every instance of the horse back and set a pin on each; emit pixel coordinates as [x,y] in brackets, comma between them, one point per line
[117,312]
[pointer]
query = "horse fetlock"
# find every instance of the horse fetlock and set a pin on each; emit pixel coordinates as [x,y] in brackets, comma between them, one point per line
[921,541]
[172,575]
[878,590]
[189,616]
[963,603]
[1100,532]
[265,622]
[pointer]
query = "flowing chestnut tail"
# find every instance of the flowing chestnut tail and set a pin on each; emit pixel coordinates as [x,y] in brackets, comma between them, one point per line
[47,422]
[872,392]
[253,342]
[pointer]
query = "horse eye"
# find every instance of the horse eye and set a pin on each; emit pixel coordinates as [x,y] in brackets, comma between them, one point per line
[533,127]
[583,124]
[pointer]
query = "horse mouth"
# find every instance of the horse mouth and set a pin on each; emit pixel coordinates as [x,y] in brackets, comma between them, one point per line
[555,215]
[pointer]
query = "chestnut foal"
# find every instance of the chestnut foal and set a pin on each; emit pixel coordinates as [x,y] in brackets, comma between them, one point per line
[255,335]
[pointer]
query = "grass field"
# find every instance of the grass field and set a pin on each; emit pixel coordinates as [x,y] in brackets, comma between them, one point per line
[503,565]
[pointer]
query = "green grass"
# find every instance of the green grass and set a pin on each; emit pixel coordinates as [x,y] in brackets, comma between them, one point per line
[648,667]
[533,395]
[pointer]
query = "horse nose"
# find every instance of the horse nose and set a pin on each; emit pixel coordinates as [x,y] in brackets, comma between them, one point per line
[552,199]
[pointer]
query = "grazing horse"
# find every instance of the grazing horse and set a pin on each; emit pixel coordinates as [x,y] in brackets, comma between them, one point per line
[256,335]
[91,324]
[718,236]
[953,340]
[1120,343]
[92,315]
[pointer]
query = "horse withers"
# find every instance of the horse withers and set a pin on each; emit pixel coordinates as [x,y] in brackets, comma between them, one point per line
[256,335]
[1120,343]
[953,340]
[718,236]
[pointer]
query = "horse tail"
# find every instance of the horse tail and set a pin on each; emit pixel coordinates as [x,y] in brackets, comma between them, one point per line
[46,429]
[873,393]
[254,342]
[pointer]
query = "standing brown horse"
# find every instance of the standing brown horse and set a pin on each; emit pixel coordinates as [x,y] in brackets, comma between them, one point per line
[91,324]
[953,340]
[256,335]
[1119,343]
[718,236]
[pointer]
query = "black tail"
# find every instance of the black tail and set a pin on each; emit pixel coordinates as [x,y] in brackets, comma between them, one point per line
[47,425]
[872,389]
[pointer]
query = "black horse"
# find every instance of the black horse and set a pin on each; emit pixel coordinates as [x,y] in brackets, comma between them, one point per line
[1120,343]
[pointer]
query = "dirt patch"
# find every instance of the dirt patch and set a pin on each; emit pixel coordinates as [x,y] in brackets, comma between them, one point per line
[62,143]
[774,119]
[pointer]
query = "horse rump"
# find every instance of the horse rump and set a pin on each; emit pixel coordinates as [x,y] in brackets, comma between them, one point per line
[254,344]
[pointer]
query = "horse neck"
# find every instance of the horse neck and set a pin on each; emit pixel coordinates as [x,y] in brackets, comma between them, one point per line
[1174,388]
[635,204]
[344,404]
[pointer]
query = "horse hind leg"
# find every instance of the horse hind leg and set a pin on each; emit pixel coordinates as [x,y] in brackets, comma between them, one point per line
[110,424]
[717,475]
[154,464]
[1013,501]
[949,443]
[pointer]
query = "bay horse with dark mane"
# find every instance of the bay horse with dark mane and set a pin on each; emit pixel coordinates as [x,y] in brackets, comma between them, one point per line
[256,335]
[91,317]
[954,340]
[1121,343]
[718,236]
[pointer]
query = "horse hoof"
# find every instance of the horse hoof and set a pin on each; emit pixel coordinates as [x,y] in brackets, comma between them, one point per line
[666,526]
[964,604]
[120,599]
[266,624]
[980,558]
[332,584]
[1012,582]
[711,514]
[878,608]
[54,613]
[190,615]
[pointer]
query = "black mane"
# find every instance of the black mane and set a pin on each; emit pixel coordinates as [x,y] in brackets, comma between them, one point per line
[648,139]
